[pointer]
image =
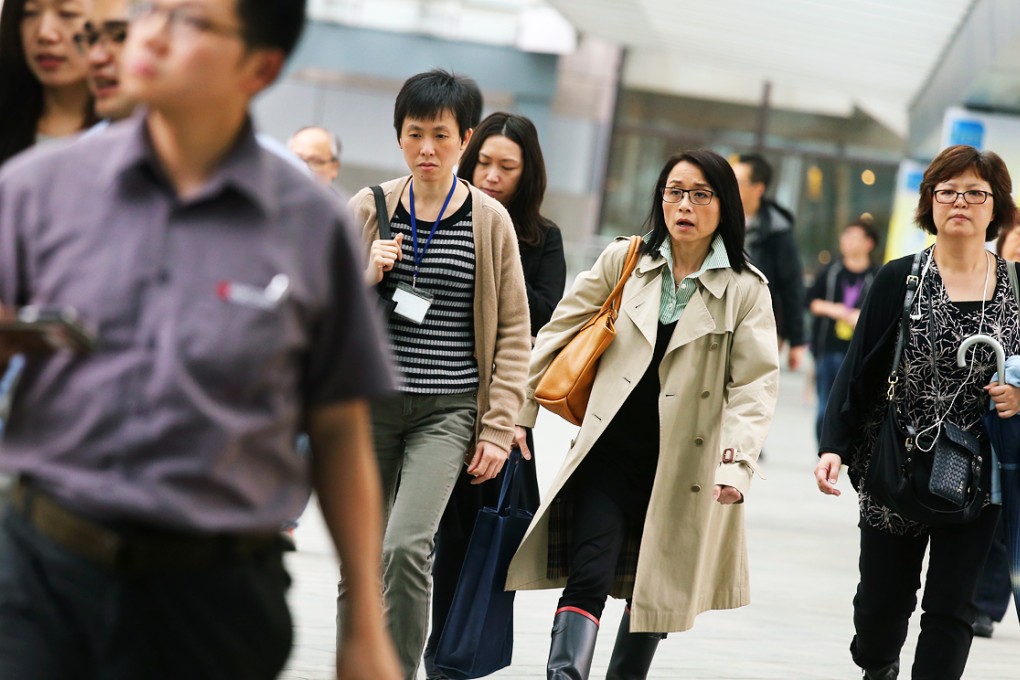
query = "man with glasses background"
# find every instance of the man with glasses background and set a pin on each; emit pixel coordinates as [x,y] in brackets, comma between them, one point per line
[320,150]
[153,475]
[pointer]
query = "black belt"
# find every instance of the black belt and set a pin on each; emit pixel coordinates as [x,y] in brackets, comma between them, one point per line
[136,549]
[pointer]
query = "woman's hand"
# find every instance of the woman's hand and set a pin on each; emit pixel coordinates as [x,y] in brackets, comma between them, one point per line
[521,441]
[1006,399]
[827,473]
[726,495]
[487,462]
[381,258]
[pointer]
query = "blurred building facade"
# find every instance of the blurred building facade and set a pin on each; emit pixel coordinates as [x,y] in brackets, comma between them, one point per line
[837,96]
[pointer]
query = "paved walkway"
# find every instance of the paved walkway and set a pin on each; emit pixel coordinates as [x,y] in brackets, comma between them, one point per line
[803,575]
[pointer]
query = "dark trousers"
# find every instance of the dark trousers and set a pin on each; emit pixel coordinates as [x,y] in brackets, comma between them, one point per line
[887,594]
[995,589]
[600,527]
[62,617]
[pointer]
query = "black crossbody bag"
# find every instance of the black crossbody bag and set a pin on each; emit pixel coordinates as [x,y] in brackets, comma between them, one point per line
[945,485]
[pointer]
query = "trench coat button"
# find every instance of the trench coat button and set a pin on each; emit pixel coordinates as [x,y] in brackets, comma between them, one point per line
[714,346]
[698,441]
[705,394]
[695,488]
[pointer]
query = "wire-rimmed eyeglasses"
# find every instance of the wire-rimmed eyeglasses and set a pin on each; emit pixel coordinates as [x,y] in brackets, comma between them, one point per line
[972,196]
[696,196]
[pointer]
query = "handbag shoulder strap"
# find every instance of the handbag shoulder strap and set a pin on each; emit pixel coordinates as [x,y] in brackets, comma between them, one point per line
[633,255]
[382,218]
[908,301]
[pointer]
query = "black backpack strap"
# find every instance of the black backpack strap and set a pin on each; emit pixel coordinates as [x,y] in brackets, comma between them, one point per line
[381,216]
[908,301]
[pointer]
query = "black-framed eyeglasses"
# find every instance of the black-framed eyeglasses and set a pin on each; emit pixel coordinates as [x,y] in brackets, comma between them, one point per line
[180,22]
[109,33]
[696,196]
[971,196]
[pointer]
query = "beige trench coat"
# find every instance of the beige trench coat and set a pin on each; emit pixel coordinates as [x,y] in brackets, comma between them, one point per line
[718,380]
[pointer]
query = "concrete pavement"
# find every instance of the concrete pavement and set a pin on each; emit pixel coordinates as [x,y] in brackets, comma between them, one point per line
[803,555]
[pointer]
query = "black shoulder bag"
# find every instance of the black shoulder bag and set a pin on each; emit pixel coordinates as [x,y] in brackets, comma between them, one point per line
[937,487]
[382,218]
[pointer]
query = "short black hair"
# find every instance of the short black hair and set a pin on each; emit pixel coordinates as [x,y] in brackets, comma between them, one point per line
[272,23]
[761,169]
[477,103]
[719,175]
[426,96]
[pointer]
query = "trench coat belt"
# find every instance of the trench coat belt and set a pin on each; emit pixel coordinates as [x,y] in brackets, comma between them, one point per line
[136,549]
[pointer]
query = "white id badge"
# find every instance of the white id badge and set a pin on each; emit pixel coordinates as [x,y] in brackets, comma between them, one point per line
[412,304]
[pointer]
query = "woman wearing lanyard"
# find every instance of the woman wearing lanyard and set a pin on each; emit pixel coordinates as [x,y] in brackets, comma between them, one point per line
[459,334]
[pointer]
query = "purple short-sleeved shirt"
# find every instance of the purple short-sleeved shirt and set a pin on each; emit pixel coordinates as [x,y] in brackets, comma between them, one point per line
[221,319]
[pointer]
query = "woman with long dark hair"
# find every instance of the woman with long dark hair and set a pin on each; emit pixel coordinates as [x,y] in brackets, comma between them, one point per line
[646,505]
[504,160]
[43,91]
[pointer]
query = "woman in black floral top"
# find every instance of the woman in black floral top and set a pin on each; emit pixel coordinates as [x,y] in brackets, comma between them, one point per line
[964,290]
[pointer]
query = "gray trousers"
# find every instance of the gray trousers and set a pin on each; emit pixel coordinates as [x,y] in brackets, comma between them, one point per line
[421,442]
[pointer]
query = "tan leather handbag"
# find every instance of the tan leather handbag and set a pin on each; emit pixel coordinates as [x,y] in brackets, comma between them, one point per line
[566,385]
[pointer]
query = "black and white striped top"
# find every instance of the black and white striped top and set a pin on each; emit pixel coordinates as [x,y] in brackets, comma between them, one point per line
[437,356]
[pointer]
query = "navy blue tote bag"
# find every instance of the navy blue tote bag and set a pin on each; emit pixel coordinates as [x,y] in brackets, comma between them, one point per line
[478,637]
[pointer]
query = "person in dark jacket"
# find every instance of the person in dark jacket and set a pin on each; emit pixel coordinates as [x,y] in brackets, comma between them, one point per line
[772,249]
[504,160]
[963,290]
[995,589]
[835,300]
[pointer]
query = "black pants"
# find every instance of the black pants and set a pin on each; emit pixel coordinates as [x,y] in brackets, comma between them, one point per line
[62,617]
[887,594]
[600,528]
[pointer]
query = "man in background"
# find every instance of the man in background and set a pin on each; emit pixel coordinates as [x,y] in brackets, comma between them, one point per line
[320,150]
[773,250]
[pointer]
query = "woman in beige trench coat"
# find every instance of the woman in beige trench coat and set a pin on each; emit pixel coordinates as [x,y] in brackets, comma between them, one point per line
[646,505]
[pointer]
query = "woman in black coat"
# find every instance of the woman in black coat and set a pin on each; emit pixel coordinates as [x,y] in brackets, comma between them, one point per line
[504,160]
[963,290]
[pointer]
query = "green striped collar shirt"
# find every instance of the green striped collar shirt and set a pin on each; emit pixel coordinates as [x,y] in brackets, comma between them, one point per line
[675,297]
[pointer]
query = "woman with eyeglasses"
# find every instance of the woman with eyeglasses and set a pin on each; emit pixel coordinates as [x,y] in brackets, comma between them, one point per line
[647,503]
[43,91]
[962,290]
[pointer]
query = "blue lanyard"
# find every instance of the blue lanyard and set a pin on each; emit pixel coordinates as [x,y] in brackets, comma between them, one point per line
[418,257]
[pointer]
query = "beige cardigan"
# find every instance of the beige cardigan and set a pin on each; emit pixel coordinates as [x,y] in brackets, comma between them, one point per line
[502,330]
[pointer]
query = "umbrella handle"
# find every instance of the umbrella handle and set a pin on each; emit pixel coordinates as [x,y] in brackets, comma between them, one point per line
[1000,354]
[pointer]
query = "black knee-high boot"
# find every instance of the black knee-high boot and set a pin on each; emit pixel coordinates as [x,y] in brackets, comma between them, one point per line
[573,644]
[632,653]
[890,672]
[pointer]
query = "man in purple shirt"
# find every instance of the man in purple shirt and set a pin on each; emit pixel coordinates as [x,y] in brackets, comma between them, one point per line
[141,538]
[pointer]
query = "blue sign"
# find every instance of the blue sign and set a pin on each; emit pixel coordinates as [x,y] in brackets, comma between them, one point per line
[969,132]
[913,181]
